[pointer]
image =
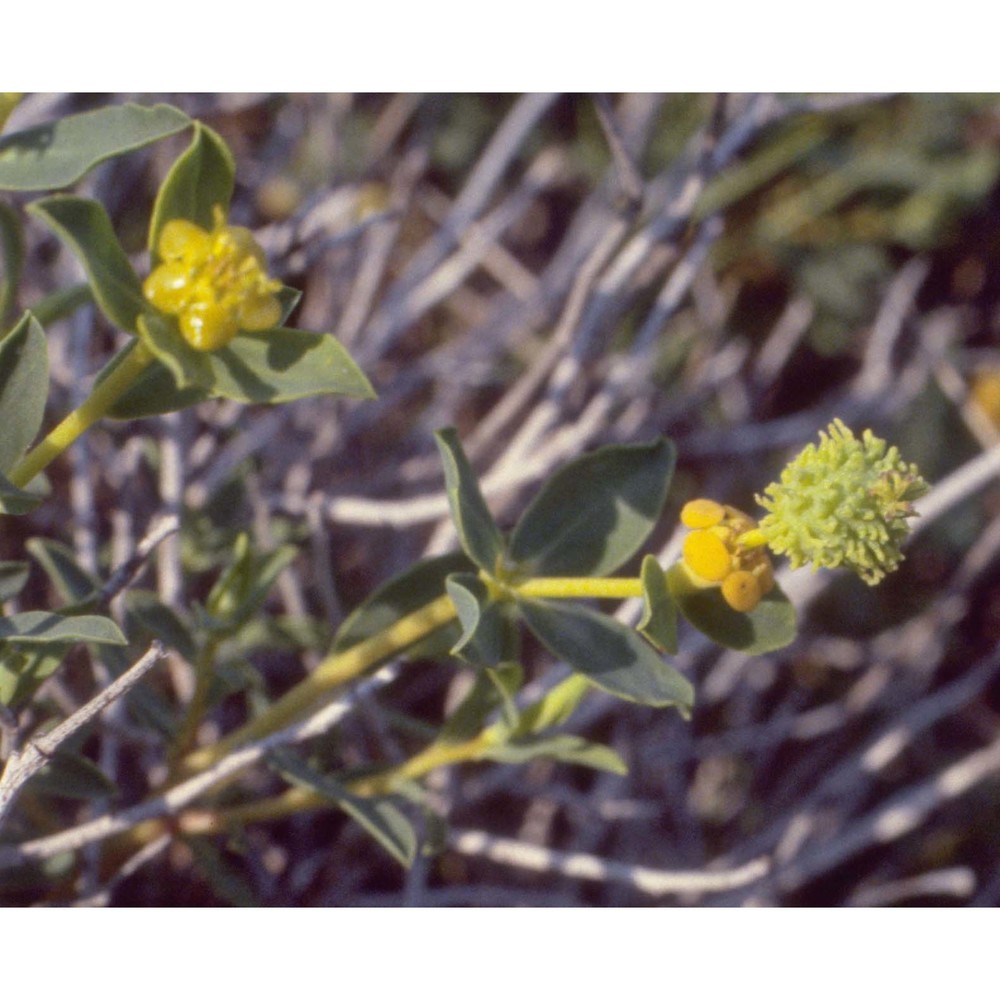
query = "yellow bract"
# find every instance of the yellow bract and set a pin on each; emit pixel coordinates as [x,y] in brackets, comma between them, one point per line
[215,283]
[725,549]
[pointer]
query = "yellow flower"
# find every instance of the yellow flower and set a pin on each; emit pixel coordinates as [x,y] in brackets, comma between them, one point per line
[215,283]
[724,549]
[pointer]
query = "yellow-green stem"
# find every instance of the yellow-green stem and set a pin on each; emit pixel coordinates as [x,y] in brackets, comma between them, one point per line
[342,667]
[199,702]
[334,671]
[584,586]
[104,395]
[296,800]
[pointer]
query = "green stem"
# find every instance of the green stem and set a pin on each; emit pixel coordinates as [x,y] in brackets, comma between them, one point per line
[334,671]
[134,361]
[340,668]
[583,586]
[198,704]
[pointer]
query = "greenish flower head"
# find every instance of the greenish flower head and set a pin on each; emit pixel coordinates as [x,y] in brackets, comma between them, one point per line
[843,503]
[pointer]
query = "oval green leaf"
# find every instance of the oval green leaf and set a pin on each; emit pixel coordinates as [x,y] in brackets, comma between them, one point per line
[596,512]
[84,226]
[771,625]
[202,177]
[379,817]
[24,387]
[659,618]
[57,155]
[12,249]
[402,595]
[477,531]
[489,633]
[44,627]
[611,655]
[13,577]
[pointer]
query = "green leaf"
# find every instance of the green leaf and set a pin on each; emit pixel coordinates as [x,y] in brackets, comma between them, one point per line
[145,610]
[492,689]
[45,627]
[201,178]
[477,531]
[73,583]
[24,387]
[282,364]
[61,303]
[377,816]
[242,589]
[84,226]
[12,248]
[771,625]
[403,594]
[272,366]
[59,154]
[224,879]
[596,512]
[613,656]
[190,369]
[659,617]
[22,671]
[553,708]
[14,500]
[489,632]
[153,393]
[72,776]
[13,577]
[565,747]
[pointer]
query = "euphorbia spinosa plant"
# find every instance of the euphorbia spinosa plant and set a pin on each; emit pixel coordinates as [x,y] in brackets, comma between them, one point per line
[207,322]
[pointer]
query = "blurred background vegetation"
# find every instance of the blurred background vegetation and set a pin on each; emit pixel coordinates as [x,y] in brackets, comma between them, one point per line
[549,273]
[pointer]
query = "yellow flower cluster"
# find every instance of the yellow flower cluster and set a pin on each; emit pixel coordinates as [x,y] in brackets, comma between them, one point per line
[725,548]
[215,283]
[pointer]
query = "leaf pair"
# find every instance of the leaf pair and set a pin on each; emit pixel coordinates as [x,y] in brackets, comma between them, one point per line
[592,516]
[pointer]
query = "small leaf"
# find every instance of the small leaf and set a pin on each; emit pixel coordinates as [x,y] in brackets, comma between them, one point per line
[400,596]
[24,387]
[489,632]
[145,609]
[13,577]
[12,248]
[44,627]
[659,617]
[596,512]
[16,501]
[771,625]
[22,671]
[153,393]
[59,154]
[553,708]
[223,878]
[72,776]
[477,531]
[492,689]
[242,589]
[378,817]
[73,583]
[565,747]
[202,177]
[607,652]
[84,226]
[189,368]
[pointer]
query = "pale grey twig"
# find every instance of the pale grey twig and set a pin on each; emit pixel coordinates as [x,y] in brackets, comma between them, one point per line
[176,798]
[25,764]
[588,867]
